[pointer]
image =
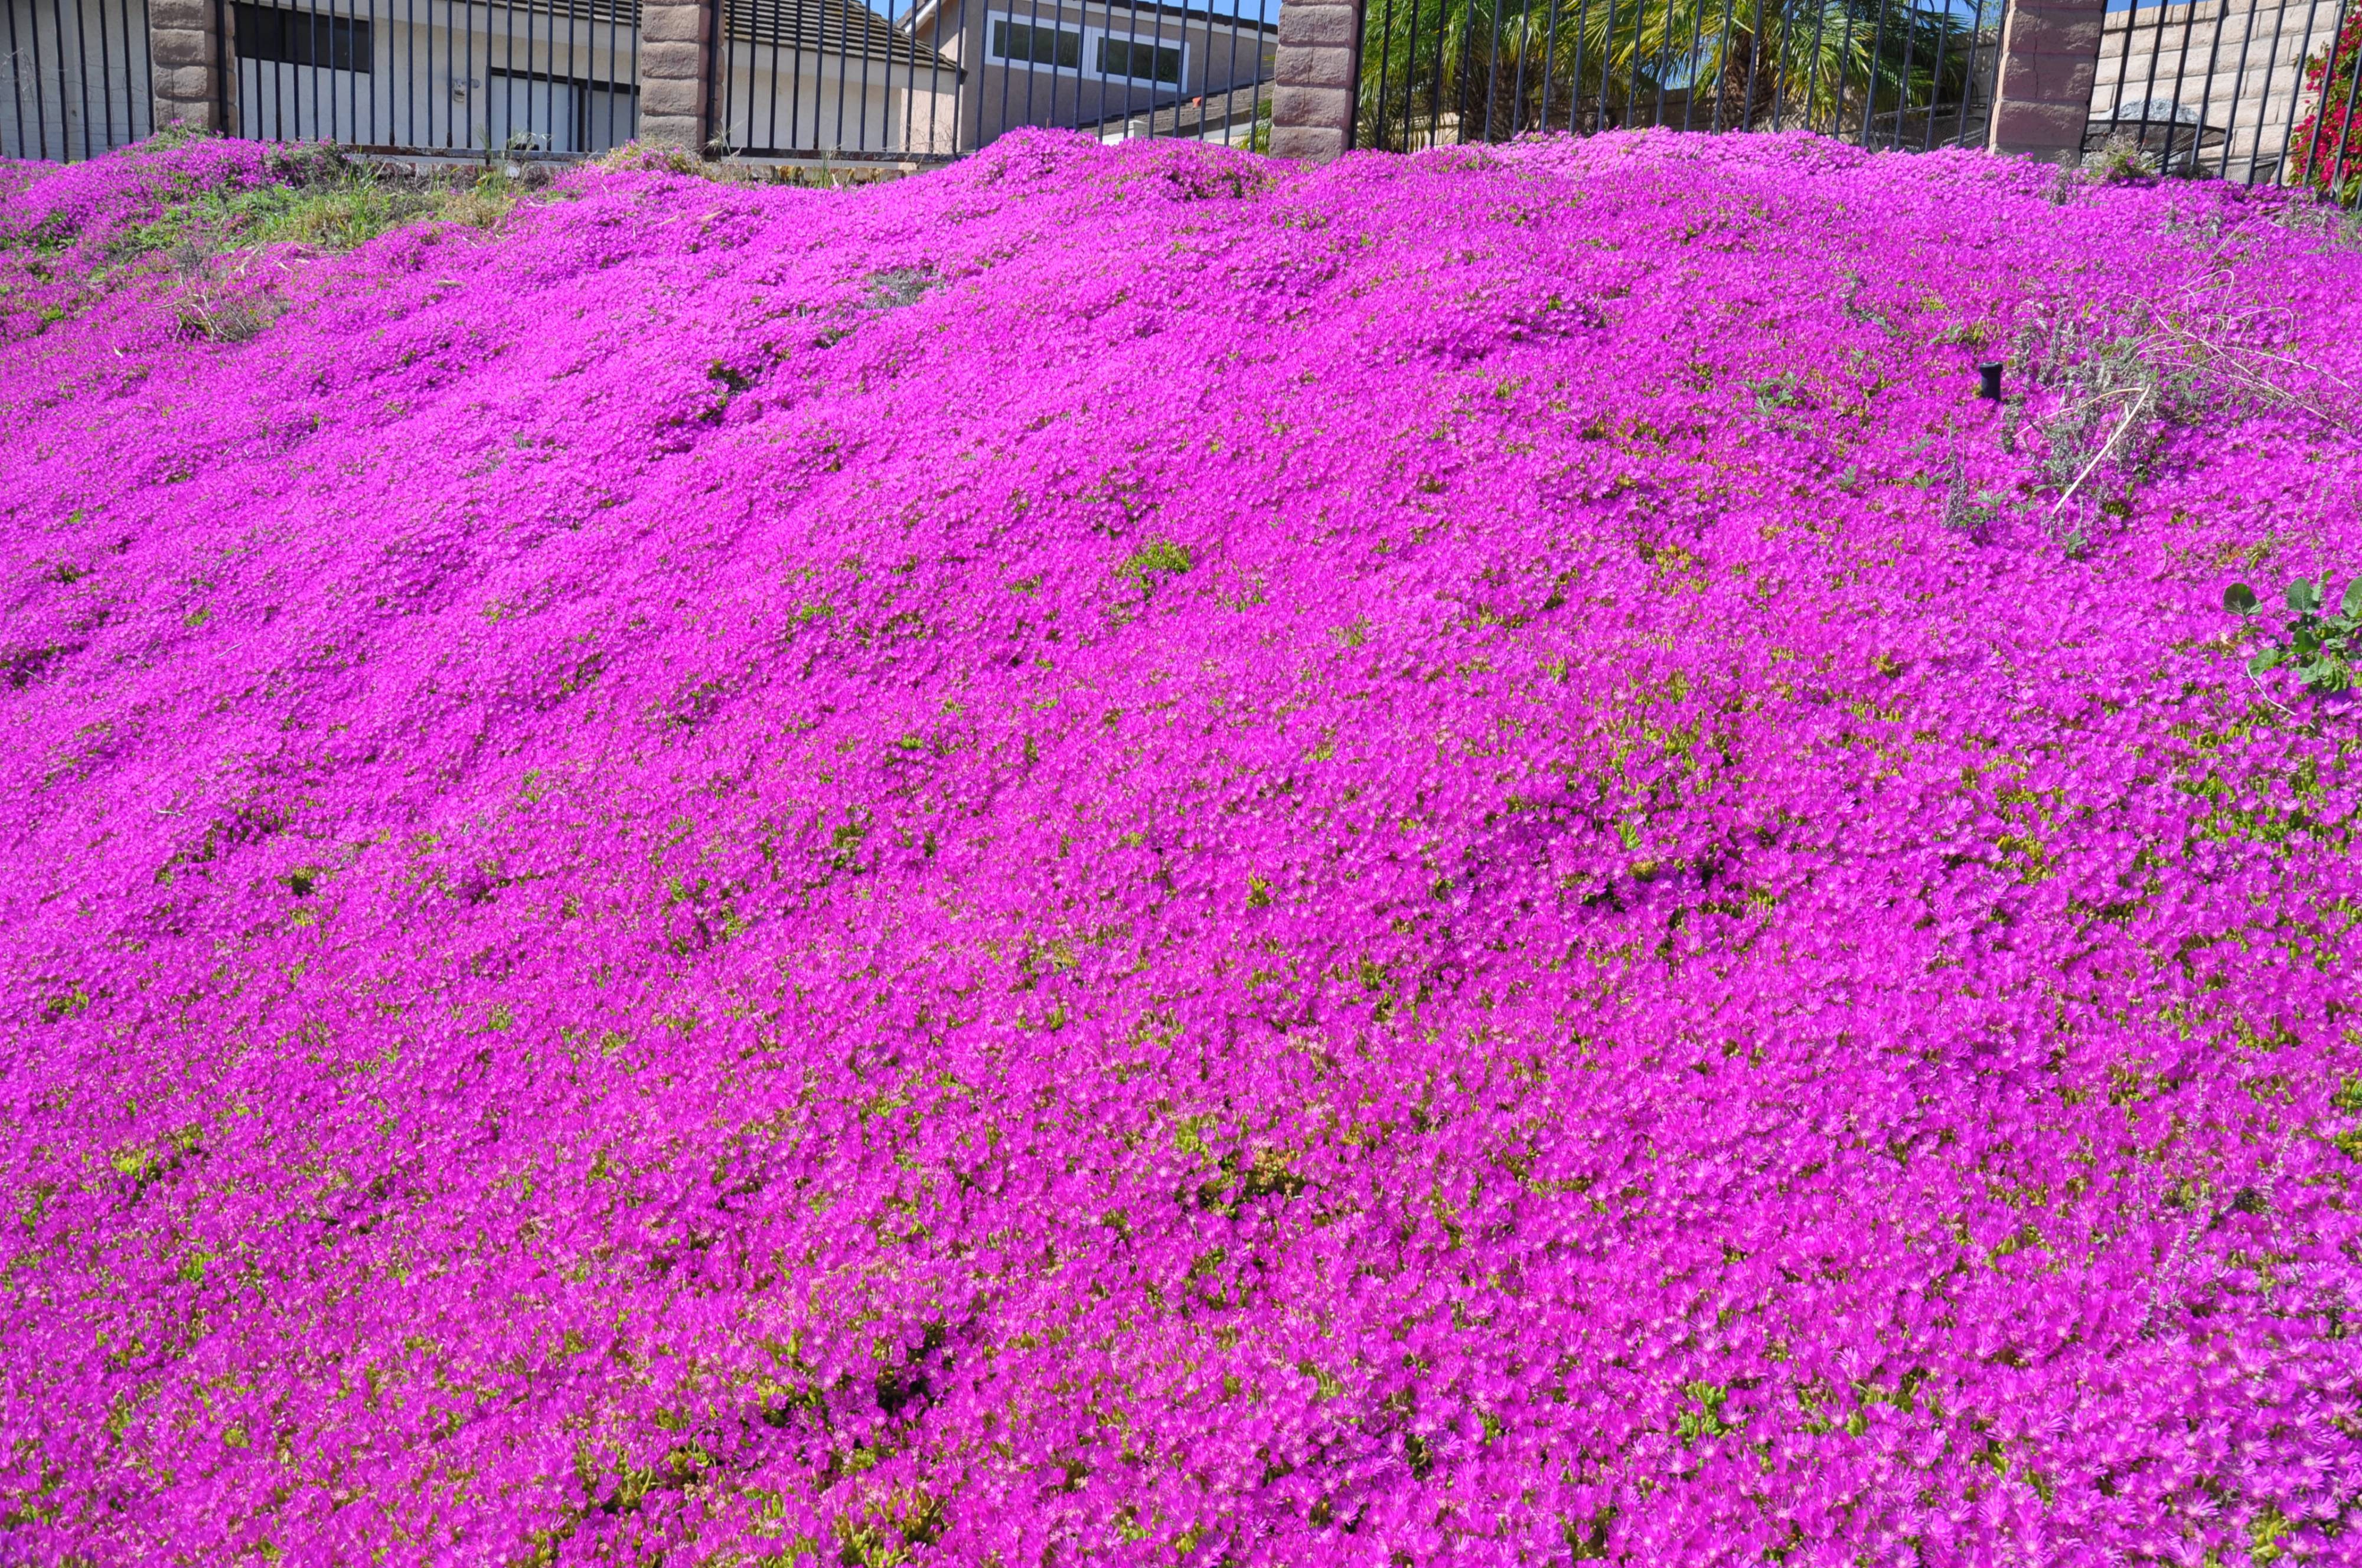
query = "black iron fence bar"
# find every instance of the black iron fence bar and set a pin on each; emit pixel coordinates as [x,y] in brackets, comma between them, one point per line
[1697,48]
[1813,70]
[1691,66]
[1525,42]
[40,86]
[17,96]
[2310,168]
[1902,72]
[1754,65]
[1410,69]
[1722,71]
[1969,76]
[105,104]
[1607,63]
[2215,60]
[1493,69]
[2155,58]
[81,50]
[2272,64]
[1870,75]
[1549,66]
[2296,89]
[1935,78]
[2239,77]
[2345,115]
[1106,59]
[2180,69]
[1230,80]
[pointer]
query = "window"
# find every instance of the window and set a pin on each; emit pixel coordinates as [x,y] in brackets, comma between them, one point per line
[1139,62]
[1091,54]
[1030,45]
[303,38]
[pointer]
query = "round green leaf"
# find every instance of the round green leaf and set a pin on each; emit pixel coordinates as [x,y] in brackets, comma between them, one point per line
[2240,599]
[2266,660]
[2302,596]
[2352,604]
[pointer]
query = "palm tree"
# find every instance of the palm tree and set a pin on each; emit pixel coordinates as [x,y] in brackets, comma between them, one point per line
[1882,72]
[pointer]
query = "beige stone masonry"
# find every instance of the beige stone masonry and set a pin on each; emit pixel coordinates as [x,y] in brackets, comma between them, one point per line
[1312,98]
[2050,59]
[185,54]
[675,72]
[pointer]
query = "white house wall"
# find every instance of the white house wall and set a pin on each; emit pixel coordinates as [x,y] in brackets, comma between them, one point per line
[1217,57]
[786,101]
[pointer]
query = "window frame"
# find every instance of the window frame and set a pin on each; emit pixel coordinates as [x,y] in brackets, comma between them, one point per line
[1093,42]
[317,29]
[998,26]
[1156,48]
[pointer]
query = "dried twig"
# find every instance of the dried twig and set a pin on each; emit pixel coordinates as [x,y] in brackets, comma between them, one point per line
[2142,397]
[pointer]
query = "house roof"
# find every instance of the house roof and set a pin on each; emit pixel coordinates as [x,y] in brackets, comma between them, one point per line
[843,28]
[923,17]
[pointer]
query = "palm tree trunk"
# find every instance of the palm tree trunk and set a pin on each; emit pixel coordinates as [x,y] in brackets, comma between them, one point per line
[1735,105]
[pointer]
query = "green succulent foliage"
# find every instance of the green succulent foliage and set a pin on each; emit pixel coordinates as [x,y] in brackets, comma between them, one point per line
[2320,645]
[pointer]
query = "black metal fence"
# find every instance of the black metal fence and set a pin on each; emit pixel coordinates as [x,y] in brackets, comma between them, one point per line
[834,79]
[796,78]
[468,77]
[829,78]
[78,78]
[2259,91]
[1116,69]
[1885,73]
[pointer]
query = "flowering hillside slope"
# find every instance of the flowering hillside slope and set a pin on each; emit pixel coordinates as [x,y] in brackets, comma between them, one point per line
[1133,857]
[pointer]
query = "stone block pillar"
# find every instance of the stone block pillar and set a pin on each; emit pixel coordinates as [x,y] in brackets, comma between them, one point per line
[186,52]
[677,40]
[1313,91]
[2050,59]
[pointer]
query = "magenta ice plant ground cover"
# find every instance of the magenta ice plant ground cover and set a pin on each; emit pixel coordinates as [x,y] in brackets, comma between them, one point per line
[1137,857]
